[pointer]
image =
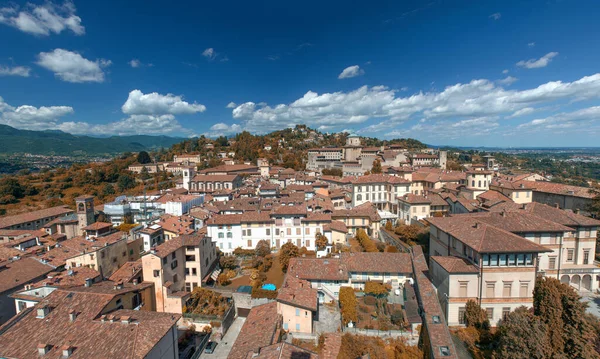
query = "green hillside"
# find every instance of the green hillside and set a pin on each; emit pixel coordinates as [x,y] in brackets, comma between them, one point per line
[13,140]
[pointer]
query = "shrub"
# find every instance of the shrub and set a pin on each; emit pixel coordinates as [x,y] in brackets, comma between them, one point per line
[239,251]
[376,289]
[397,317]
[262,293]
[263,248]
[223,279]
[475,316]
[228,262]
[288,251]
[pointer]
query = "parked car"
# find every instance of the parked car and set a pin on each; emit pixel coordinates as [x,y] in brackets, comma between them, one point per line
[210,347]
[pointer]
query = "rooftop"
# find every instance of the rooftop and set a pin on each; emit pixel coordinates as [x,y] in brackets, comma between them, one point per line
[9,221]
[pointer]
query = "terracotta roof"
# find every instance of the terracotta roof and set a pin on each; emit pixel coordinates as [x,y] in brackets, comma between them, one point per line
[214,178]
[15,274]
[519,222]
[225,219]
[285,350]
[482,237]
[97,226]
[289,210]
[337,226]
[317,217]
[364,210]
[454,265]
[331,346]
[259,330]
[313,268]
[256,217]
[298,293]
[377,262]
[414,199]
[565,217]
[379,178]
[167,247]
[128,271]
[230,168]
[9,221]
[493,196]
[71,278]
[91,337]
[562,189]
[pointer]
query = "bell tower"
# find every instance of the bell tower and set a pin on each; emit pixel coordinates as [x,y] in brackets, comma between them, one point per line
[85,211]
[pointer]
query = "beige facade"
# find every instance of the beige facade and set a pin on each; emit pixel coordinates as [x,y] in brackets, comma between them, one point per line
[295,319]
[106,258]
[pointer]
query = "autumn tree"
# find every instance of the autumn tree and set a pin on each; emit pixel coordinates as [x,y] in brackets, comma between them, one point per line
[288,251]
[389,226]
[365,242]
[348,305]
[228,262]
[376,289]
[263,248]
[521,335]
[408,233]
[391,249]
[475,316]
[376,167]
[320,241]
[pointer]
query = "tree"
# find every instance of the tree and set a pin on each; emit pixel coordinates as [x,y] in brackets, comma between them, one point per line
[475,316]
[522,336]
[389,226]
[321,241]
[228,262]
[288,251]
[391,249]
[408,233]
[547,306]
[11,187]
[376,167]
[348,304]
[144,174]
[263,248]
[365,242]
[336,172]
[376,289]
[108,190]
[143,157]
[125,182]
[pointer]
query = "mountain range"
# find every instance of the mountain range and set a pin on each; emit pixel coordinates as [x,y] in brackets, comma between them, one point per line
[60,143]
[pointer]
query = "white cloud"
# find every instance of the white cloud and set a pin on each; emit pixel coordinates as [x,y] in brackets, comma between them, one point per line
[505,71]
[579,120]
[154,103]
[231,105]
[133,125]
[43,19]
[22,71]
[531,44]
[72,67]
[135,63]
[223,129]
[538,63]
[496,16]
[209,53]
[351,71]
[522,112]
[475,99]
[509,80]
[31,117]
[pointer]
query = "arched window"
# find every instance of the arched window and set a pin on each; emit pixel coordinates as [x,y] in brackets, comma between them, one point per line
[221,235]
[229,235]
[359,197]
[81,207]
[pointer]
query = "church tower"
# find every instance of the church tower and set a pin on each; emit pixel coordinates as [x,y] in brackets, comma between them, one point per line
[85,212]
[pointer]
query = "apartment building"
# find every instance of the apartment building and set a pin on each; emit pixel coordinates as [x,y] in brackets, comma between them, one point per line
[351,269]
[87,324]
[471,259]
[412,208]
[35,219]
[297,305]
[379,189]
[104,254]
[364,216]
[177,267]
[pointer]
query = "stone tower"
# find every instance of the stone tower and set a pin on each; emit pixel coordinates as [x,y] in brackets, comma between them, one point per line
[85,211]
[443,156]
[188,175]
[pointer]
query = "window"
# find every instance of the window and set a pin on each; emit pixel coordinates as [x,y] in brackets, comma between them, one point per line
[307,231]
[512,260]
[174,264]
[249,232]
[461,315]
[494,260]
[507,289]
[276,231]
[503,259]
[285,326]
[490,289]
[173,255]
[249,243]
[552,263]
[570,253]
[297,312]
[221,235]
[188,287]
[156,273]
[505,312]
[538,237]
[485,257]
[297,327]
[298,231]
[516,194]
[520,259]
[359,197]
[586,257]
[524,290]
[414,209]
[194,271]
[175,278]
[490,313]
[289,231]
[463,287]
[307,243]
[268,230]
[444,351]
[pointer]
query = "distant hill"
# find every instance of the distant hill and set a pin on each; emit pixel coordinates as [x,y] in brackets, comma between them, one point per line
[60,143]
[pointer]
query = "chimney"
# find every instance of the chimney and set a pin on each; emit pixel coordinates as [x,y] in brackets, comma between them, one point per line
[88,282]
[503,213]
[67,350]
[43,348]
[103,318]
[135,281]
[524,206]
[118,285]
[476,225]
[42,312]
[72,315]
[576,211]
[125,319]
[556,205]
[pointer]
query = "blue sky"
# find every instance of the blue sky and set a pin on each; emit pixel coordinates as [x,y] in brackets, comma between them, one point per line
[489,73]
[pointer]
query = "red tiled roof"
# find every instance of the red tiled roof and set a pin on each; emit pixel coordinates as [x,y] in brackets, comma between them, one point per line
[97,226]
[377,262]
[258,331]
[379,178]
[313,268]
[454,265]
[16,274]
[9,221]
[298,293]
[414,199]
